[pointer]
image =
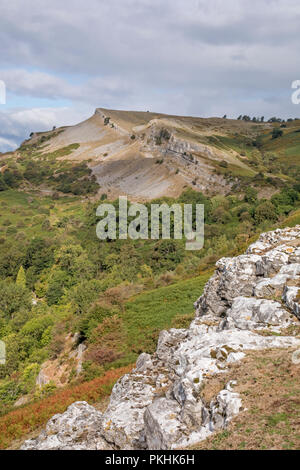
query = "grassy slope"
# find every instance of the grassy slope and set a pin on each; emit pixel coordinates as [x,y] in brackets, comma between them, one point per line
[268,383]
[19,423]
[287,147]
[26,212]
[149,313]
[233,138]
[292,220]
[144,317]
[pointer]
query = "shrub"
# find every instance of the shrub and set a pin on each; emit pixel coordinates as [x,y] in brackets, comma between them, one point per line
[36,327]
[25,420]
[13,298]
[277,133]
[250,195]
[265,211]
[101,355]
[56,286]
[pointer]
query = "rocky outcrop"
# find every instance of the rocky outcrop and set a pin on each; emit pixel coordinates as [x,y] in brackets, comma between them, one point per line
[79,428]
[159,405]
[58,370]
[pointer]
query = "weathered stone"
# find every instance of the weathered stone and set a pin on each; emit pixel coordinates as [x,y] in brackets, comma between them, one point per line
[159,404]
[79,428]
[292,300]
[251,313]
[223,409]
[144,362]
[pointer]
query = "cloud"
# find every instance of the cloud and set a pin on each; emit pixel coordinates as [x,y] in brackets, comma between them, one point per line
[16,125]
[175,56]
[7,145]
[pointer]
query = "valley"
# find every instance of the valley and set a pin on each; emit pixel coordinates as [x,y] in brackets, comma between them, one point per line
[76,312]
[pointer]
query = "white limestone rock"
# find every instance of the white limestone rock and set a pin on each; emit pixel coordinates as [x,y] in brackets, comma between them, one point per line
[252,313]
[292,300]
[223,409]
[79,428]
[159,404]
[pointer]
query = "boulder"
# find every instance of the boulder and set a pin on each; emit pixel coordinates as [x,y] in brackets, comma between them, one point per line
[79,428]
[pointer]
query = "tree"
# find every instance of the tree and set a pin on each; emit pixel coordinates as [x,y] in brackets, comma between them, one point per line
[3,185]
[56,286]
[220,215]
[250,195]
[265,211]
[12,178]
[39,254]
[21,278]
[13,298]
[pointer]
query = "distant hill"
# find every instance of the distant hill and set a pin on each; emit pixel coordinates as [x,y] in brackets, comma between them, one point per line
[149,155]
[76,312]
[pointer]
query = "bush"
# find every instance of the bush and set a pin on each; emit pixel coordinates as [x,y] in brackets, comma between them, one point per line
[101,355]
[277,133]
[84,294]
[36,327]
[163,134]
[13,298]
[265,211]
[12,178]
[3,185]
[94,317]
[250,195]
[56,286]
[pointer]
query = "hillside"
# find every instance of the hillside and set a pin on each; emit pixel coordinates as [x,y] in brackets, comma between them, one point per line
[251,303]
[76,312]
[149,155]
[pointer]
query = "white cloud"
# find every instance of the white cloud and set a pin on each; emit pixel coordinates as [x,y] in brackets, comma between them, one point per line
[16,125]
[7,145]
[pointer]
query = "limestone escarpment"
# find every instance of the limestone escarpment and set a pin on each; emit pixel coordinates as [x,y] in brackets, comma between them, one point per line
[159,405]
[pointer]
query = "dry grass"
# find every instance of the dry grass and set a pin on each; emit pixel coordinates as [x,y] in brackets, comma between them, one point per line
[26,422]
[269,385]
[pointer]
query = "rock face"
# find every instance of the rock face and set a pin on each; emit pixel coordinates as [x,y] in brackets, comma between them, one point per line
[159,404]
[79,428]
[56,370]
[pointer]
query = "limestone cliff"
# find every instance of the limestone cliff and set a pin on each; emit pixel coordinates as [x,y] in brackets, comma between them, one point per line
[159,404]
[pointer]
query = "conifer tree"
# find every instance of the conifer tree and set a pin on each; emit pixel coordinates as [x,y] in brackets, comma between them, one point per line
[21,277]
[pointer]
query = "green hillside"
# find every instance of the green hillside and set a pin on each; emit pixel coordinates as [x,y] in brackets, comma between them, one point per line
[57,279]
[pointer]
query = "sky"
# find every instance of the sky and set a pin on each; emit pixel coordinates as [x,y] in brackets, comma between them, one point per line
[61,60]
